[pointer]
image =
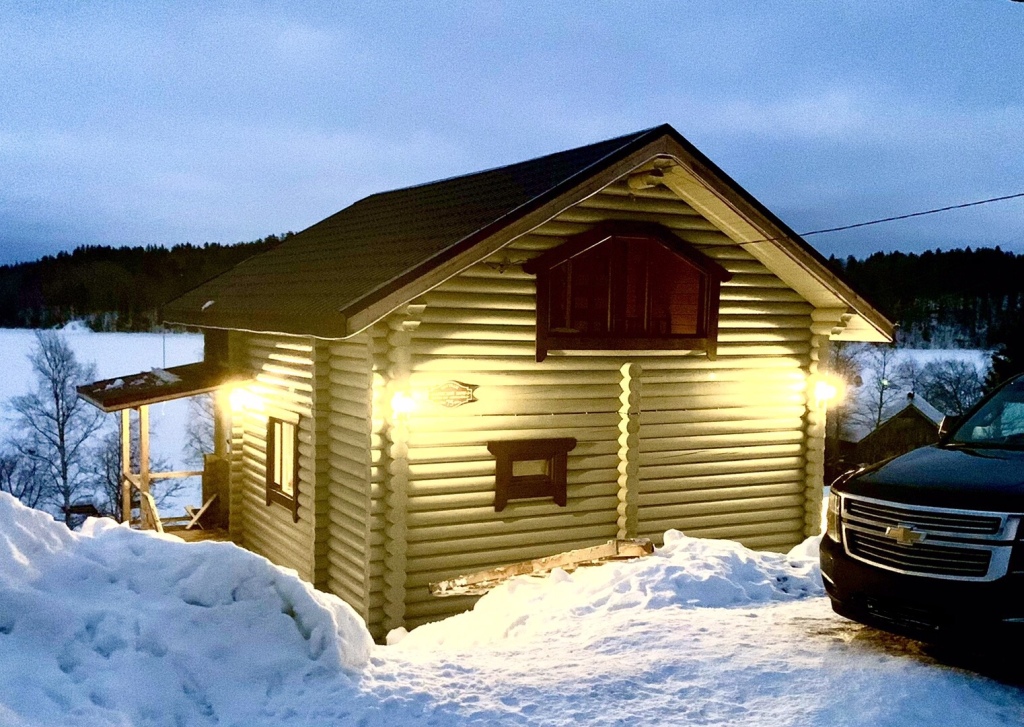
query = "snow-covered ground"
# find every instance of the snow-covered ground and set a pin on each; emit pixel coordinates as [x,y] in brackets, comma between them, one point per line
[115,354]
[116,627]
[923,356]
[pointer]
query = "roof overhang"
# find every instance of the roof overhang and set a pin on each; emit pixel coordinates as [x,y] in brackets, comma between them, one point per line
[744,220]
[157,385]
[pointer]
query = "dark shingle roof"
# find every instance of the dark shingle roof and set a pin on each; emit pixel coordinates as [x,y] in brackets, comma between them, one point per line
[345,261]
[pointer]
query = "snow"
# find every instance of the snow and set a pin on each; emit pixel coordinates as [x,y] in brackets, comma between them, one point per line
[921,357]
[110,625]
[981,359]
[116,627]
[685,573]
[165,376]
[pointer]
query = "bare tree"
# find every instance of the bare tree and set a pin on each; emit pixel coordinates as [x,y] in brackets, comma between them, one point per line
[844,363]
[911,374]
[107,464]
[884,383]
[199,430]
[952,385]
[21,478]
[55,427]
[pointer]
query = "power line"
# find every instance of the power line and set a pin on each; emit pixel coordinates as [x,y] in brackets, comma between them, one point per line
[914,214]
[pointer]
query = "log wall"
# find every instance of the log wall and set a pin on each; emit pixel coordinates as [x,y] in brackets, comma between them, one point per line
[668,439]
[345,421]
[283,368]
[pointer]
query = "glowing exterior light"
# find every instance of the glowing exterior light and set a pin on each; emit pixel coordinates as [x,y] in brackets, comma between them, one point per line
[402,403]
[241,399]
[828,390]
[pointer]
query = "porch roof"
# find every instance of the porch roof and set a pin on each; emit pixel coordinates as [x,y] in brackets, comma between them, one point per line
[156,385]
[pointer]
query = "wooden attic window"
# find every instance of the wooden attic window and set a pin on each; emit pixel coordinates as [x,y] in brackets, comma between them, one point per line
[528,468]
[626,286]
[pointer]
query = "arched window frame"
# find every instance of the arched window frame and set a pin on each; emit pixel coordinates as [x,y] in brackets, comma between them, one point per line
[712,275]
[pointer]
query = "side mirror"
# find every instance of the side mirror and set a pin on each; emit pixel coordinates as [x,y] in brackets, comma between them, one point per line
[948,424]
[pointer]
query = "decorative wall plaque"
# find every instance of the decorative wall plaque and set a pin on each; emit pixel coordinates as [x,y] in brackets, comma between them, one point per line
[451,394]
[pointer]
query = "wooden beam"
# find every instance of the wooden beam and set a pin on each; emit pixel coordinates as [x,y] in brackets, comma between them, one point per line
[126,464]
[144,449]
[179,474]
[761,237]
[475,584]
[150,513]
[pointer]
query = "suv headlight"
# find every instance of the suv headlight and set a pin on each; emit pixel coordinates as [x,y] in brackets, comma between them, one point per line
[832,529]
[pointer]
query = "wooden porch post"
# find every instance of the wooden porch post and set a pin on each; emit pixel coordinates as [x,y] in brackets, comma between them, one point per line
[126,465]
[144,449]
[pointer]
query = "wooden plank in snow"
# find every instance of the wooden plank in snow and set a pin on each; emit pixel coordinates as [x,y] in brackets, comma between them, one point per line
[475,584]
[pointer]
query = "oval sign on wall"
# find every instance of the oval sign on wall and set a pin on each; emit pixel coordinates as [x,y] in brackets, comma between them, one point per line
[451,394]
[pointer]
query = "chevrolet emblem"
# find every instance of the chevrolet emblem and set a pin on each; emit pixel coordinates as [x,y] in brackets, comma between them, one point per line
[904,535]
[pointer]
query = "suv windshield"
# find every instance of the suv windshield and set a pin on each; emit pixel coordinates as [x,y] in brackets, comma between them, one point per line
[999,423]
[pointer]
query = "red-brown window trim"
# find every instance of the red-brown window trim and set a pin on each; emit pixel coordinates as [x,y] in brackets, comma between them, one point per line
[275,492]
[707,323]
[553,484]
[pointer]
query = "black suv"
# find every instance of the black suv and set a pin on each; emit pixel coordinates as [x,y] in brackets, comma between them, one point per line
[931,543]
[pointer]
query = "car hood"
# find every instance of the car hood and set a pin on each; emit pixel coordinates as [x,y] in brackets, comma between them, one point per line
[982,479]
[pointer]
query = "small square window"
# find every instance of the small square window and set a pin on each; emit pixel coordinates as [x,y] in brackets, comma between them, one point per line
[283,464]
[530,468]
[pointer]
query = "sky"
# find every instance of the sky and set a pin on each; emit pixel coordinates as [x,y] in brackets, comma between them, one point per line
[160,123]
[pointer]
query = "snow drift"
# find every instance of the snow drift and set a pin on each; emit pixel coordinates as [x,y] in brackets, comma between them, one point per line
[142,628]
[684,573]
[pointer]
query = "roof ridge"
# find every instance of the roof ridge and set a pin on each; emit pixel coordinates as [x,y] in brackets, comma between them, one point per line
[625,138]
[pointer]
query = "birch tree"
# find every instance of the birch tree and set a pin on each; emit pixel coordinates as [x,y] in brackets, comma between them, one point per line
[56,430]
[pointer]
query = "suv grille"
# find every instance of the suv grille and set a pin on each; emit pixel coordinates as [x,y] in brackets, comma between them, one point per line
[928,541]
[920,558]
[936,521]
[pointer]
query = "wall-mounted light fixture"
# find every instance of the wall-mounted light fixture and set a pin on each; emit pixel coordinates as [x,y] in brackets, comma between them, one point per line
[402,402]
[242,398]
[827,390]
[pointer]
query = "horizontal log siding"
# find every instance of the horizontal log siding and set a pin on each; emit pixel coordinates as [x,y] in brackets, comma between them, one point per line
[283,369]
[479,329]
[713,459]
[347,376]
[238,354]
[722,443]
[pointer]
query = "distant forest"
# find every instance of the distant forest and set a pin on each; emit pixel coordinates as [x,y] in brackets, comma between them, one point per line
[959,298]
[113,288]
[954,299]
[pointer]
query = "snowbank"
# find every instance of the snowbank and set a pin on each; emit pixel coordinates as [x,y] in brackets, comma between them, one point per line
[117,626]
[685,573]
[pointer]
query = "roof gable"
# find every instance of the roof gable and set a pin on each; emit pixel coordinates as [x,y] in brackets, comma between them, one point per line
[351,269]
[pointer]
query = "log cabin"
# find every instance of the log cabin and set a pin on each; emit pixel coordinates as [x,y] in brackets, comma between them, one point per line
[604,342]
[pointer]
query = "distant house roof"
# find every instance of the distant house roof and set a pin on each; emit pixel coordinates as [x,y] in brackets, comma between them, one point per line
[339,275]
[930,412]
[915,406]
[156,385]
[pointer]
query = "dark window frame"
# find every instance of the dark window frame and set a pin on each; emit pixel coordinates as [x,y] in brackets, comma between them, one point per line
[553,484]
[275,489]
[710,274]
